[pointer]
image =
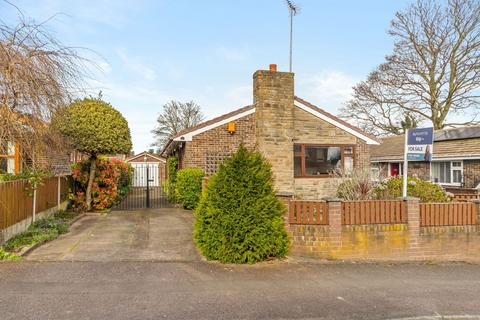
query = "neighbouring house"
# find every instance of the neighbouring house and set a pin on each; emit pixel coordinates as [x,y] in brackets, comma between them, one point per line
[13,160]
[455,162]
[304,144]
[155,164]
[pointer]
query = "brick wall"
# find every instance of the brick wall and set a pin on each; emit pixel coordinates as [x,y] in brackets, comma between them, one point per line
[471,171]
[217,144]
[386,241]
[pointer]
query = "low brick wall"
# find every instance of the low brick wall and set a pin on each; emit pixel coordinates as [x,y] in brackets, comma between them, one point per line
[387,242]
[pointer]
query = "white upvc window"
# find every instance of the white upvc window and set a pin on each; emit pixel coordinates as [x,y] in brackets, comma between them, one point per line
[447,172]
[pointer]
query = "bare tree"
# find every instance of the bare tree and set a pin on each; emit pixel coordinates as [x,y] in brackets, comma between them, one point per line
[175,117]
[37,76]
[432,74]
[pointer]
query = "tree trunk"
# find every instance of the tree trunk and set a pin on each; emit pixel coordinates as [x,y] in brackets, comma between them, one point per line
[93,167]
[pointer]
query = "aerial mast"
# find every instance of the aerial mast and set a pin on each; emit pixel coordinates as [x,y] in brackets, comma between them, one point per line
[294,10]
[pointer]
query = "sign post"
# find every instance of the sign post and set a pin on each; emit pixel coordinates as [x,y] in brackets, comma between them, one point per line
[418,147]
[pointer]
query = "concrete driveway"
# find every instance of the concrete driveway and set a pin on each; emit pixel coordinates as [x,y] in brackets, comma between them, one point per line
[141,235]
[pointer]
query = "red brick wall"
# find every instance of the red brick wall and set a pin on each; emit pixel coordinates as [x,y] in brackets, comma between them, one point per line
[386,241]
[217,143]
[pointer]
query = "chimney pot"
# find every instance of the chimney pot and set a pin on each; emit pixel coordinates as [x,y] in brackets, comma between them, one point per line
[273,67]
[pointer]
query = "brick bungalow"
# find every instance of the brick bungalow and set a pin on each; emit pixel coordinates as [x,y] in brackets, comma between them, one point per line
[303,143]
[455,163]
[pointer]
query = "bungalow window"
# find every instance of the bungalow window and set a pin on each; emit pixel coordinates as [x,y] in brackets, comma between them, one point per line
[7,157]
[447,172]
[322,160]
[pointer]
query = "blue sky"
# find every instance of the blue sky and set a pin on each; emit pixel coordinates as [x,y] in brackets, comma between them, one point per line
[153,51]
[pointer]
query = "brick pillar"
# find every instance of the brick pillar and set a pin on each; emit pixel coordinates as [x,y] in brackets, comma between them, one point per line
[413,218]
[335,221]
[273,94]
[204,183]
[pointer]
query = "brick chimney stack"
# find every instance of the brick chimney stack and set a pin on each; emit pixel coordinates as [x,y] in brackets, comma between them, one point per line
[273,94]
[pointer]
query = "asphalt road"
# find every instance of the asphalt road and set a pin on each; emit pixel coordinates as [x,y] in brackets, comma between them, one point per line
[203,290]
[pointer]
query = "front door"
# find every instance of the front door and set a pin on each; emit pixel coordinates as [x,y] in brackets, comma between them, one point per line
[394,169]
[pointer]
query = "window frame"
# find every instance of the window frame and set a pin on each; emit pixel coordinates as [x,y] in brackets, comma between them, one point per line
[15,156]
[452,169]
[301,154]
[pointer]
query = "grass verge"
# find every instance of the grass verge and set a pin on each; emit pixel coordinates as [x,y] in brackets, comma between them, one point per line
[42,230]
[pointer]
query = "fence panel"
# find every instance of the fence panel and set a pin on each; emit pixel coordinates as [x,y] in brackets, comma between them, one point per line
[461,197]
[16,198]
[373,212]
[448,214]
[308,212]
[16,202]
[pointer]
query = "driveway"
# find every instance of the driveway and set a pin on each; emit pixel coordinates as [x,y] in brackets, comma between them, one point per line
[141,235]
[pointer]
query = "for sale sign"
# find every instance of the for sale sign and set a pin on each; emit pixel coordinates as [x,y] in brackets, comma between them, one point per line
[419,144]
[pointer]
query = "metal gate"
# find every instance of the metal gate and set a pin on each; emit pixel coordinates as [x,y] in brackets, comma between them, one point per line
[146,191]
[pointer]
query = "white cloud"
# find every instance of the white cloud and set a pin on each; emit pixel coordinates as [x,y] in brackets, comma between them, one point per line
[135,65]
[239,96]
[329,90]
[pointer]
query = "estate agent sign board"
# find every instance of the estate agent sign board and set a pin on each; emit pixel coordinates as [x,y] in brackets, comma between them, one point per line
[420,144]
[418,147]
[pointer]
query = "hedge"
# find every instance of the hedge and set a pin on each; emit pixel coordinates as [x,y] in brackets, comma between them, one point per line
[188,188]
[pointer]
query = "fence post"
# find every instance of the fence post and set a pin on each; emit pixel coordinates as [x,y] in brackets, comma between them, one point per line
[335,220]
[34,204]
[58,192]
[477,206]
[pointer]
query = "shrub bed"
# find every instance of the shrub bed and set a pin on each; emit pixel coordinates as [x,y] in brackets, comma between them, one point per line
[188,187]
[239,218]
[112,182]
[42,230]
[424,190]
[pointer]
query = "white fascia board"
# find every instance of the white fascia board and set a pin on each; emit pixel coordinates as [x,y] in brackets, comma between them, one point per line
[190,135]
[335,123]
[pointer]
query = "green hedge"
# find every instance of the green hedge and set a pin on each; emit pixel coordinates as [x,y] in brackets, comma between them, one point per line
[188,187]
[239,218]
[427,191]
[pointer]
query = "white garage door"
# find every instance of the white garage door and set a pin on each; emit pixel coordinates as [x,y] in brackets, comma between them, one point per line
[140,174]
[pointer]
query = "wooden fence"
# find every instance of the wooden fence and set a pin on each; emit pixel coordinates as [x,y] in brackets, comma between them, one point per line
[308,212]
[374,212]
[466,196]
[448,214]
[16,198]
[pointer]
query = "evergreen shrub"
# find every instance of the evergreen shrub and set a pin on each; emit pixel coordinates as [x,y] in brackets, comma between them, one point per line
[426,191]
[239,218]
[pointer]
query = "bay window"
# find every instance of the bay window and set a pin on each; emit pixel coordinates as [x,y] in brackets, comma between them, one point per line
[322,160]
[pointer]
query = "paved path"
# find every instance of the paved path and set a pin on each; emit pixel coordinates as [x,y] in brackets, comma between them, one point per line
[142,235]
[204,290]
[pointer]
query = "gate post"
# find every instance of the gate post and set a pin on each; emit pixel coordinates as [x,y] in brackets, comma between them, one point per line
[148,188]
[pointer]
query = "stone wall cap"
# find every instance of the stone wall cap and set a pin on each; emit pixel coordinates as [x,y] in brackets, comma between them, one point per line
[409,198]
[284,194]
[332,199]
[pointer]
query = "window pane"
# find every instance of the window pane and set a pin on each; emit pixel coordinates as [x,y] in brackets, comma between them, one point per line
[3,165]
[321,160]
[297,166]
[441,172]
[456,164]
[457,176]
[348,150]
[348,165]
[297,148]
